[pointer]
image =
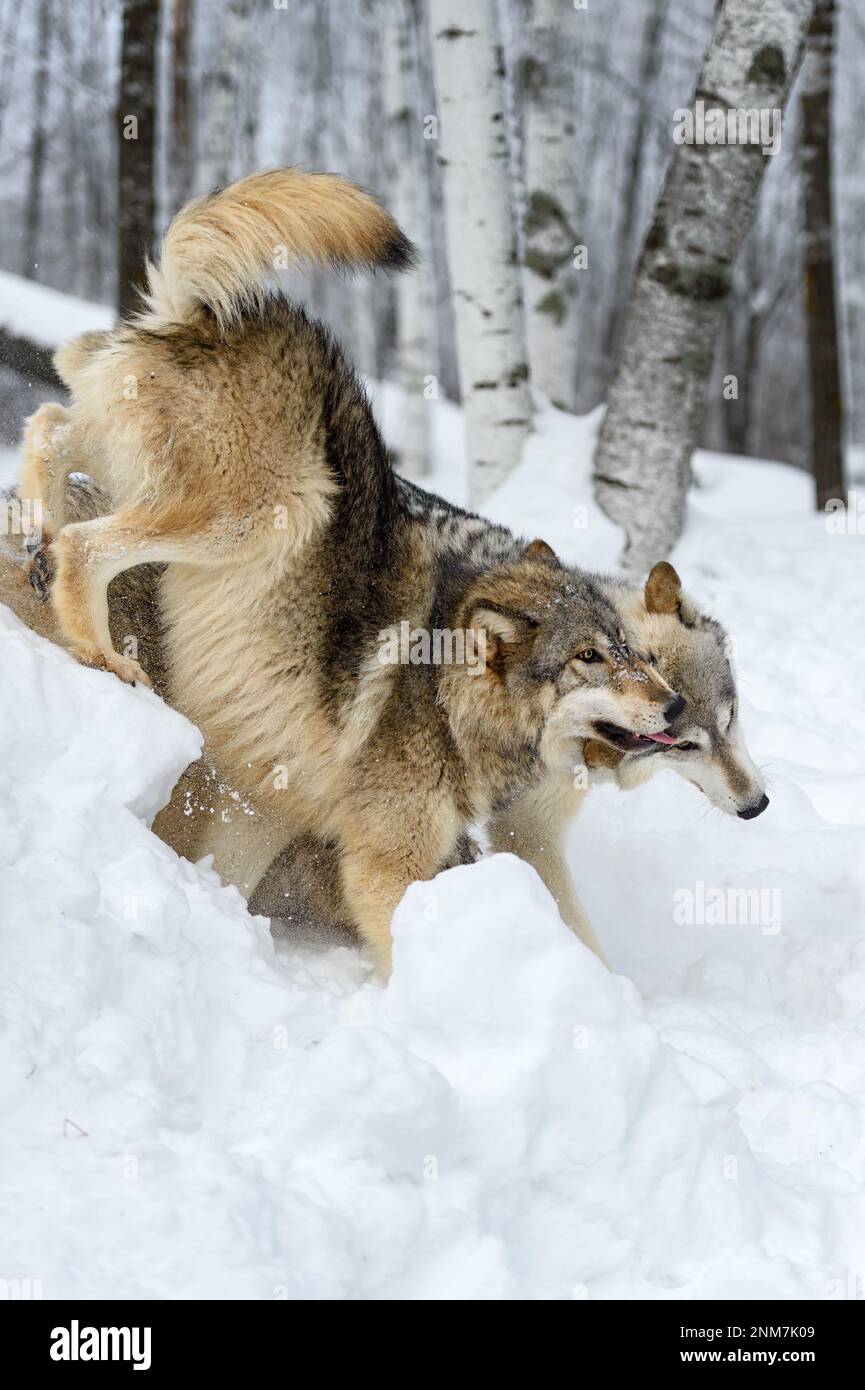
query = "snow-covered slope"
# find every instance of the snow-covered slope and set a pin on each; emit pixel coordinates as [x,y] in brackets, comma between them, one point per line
[191,1110]
[46,316]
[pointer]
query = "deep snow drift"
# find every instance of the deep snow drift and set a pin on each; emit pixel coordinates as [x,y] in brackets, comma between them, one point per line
[191,1110]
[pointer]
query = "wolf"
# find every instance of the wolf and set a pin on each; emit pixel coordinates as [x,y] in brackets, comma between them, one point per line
[238,448]
[705,745]
[302,886]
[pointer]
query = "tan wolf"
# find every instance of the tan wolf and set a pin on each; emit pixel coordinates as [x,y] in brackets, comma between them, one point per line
[237,446]
[705,745]
[303,885]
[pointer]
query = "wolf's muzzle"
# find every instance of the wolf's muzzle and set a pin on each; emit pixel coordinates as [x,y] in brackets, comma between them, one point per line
[756,810]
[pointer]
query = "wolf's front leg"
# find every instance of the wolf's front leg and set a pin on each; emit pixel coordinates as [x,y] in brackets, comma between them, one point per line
[534,829]
[408,838]
[373,887]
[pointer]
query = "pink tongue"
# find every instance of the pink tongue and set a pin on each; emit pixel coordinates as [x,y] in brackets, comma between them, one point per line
[660,738]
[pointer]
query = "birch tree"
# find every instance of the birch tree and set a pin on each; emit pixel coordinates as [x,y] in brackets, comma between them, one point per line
[485,278]
[647,78]
[549,232]
[136,148]
[414,307]
[642,462]
[230,101]
[824,368]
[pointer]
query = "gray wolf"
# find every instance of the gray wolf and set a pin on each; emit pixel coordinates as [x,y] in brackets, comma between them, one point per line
[303,883]
[238,448]
[705,745]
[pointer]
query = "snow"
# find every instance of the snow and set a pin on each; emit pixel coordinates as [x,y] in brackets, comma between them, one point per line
[194,1110]
[45,316]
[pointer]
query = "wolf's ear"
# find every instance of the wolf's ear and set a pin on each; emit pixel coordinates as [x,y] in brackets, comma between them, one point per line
[504,624]
[504,628]
[539,550]
[663,589]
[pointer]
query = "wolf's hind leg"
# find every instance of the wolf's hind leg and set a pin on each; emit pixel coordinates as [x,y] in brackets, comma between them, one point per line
[48,457]
[91,553]
[204,816]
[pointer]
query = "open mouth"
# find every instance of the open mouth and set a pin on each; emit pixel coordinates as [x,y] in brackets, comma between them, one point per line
[629,742]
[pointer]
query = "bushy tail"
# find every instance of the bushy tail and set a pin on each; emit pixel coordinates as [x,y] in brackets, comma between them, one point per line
[222,250]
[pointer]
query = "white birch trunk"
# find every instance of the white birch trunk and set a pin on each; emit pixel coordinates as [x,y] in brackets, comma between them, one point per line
[414,306]
[642,464]
[551,198]
[485,278]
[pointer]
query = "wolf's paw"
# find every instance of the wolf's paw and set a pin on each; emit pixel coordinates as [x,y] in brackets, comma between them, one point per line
[47,428]
[41,569]
[122,666]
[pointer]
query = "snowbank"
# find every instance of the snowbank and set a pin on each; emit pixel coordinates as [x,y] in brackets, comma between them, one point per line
[191,1111]
[45,316]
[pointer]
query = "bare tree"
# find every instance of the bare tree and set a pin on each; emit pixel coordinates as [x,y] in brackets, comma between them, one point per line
[824,368]
[642,463]
[97,160]
[485,279]
[351,106]
[414,308]
[230,102]
[7,56]
[647,78]
[549,233]
[181,103]
[136,123]
[36,172]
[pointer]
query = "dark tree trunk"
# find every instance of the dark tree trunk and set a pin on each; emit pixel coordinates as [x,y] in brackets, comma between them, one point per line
[181,114]
[33,213]
[824,368]
[136,131]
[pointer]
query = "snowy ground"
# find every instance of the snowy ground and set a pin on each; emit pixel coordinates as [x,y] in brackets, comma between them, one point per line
[191,1111]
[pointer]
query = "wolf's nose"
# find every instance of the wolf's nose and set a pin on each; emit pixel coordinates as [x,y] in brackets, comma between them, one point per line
[756,810]
[674,708]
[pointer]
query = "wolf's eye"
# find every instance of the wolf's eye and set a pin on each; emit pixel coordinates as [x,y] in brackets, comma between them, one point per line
[687,747]
[589,654]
